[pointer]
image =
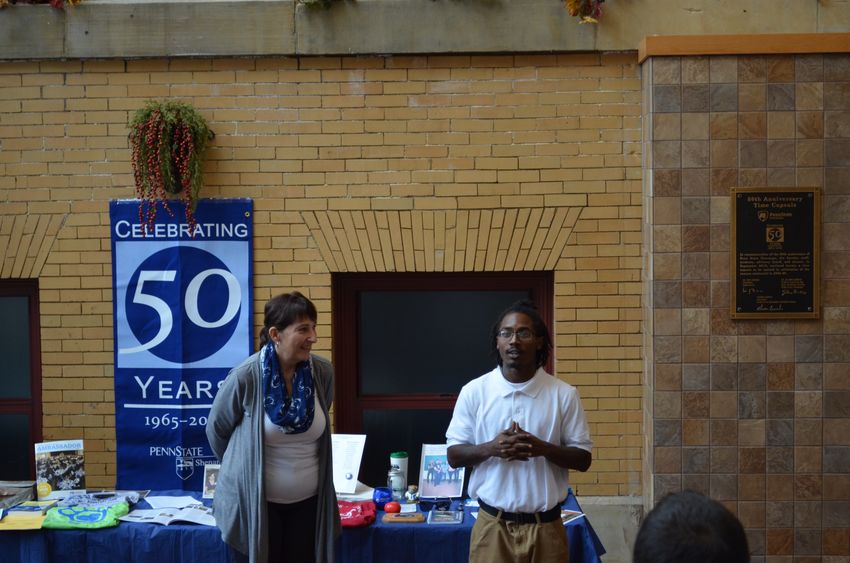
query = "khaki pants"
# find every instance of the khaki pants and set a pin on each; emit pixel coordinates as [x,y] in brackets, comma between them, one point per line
[494,540]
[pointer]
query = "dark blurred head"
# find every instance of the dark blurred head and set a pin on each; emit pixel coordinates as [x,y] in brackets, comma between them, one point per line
[540,330]
[688,527]
[283,310]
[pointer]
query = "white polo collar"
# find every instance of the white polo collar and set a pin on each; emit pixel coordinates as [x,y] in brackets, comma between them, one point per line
[530,388]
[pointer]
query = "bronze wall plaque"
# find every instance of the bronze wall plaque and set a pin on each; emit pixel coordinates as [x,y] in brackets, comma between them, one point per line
[775,252]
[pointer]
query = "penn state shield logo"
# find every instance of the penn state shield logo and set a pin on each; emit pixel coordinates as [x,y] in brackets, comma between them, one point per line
[763,216]
[185,468]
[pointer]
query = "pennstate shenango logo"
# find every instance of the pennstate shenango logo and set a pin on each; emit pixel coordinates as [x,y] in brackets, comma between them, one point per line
[184,467]
[182,305]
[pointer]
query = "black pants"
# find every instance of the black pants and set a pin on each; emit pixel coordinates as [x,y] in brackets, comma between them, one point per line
[292,531]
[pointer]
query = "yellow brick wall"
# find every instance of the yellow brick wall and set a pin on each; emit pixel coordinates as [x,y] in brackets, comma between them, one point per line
[450,163]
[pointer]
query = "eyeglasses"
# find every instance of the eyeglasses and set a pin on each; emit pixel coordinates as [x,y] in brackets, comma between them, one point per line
[439,504]
[521,334]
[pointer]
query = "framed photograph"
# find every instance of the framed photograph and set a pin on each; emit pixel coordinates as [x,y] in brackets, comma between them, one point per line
[436,477]
[210,479]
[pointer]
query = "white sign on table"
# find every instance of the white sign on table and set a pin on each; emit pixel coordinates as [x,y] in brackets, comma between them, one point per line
[347,453]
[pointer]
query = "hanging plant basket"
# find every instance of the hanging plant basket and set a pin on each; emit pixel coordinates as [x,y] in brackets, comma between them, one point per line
[168,140]
[588,11]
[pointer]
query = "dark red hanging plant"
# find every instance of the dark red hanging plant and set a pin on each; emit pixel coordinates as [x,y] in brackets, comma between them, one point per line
[168,140]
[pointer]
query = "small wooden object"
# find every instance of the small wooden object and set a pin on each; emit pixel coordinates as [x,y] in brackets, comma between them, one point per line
[403,518]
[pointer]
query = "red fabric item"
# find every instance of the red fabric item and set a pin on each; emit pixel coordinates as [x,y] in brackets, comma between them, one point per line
[356,514]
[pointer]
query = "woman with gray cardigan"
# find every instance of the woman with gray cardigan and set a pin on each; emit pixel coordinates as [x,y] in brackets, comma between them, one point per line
[269,426]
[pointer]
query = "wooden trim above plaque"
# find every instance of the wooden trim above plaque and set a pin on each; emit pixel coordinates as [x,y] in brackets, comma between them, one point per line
[775,253]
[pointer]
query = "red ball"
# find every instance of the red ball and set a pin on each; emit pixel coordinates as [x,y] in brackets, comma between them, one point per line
[392,506]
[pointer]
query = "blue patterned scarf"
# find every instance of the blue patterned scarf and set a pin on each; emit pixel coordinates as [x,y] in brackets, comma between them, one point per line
[293,414]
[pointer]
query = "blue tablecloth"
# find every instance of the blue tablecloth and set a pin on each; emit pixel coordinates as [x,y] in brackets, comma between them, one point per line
[144,543]
[446,543]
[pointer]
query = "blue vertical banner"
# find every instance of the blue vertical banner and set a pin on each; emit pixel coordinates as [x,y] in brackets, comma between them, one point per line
[182,304]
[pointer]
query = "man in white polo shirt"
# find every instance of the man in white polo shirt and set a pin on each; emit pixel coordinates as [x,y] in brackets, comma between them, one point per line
[521,430]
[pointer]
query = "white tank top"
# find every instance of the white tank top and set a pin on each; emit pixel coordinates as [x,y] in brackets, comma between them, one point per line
[292,460]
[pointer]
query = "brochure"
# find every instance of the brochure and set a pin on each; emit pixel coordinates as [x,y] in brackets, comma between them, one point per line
[436,516]
[361,492]
[171,503]
[347,453]
[59,468]
[194,514]
[570,515]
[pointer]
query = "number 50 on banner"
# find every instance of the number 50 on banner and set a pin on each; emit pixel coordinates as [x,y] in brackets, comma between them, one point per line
[184,315]
[190,303]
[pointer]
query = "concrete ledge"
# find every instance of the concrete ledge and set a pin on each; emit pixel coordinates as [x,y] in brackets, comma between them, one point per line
[165,28]
[29,31]
[440,26]
[132,29]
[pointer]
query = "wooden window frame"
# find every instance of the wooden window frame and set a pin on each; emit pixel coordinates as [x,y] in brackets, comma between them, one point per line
[349,404]
[31,406]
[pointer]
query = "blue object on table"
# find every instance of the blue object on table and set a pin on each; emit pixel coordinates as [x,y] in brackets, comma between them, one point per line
[381,496]
[190,543]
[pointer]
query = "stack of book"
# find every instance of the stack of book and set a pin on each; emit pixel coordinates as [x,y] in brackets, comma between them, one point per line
[27,515]
[33,507]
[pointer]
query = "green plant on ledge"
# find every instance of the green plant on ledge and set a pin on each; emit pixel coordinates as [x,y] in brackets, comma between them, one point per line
[168,139]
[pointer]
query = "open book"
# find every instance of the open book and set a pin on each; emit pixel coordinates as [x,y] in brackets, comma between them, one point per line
[165,516]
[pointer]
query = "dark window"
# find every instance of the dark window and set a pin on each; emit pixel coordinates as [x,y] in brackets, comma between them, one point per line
[20,384]
[404,345]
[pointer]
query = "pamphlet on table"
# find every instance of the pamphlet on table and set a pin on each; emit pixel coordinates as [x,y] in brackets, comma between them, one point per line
[437,516]
[347,453]
[570,515]
[194,514]
[171,502]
